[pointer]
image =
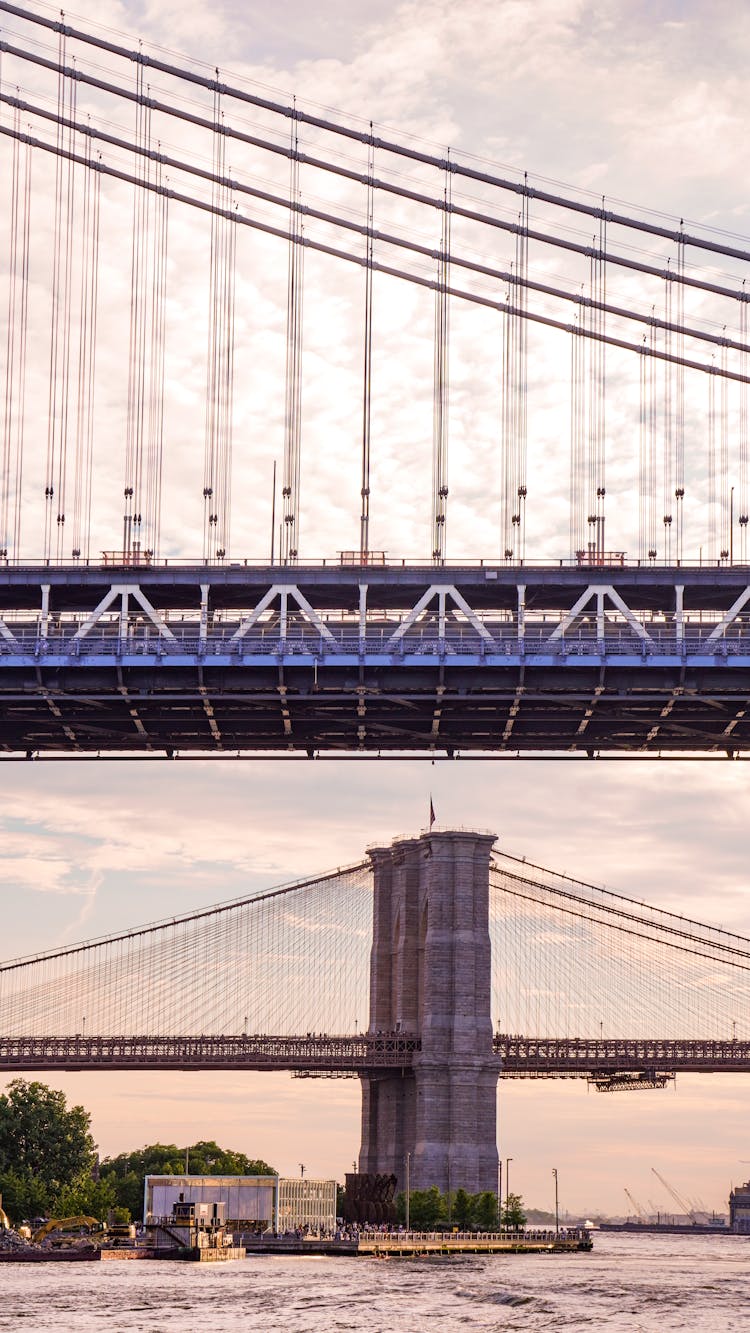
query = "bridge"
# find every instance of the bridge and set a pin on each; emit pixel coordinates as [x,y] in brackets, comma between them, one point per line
[429,970]
[245,509]
[596,1059]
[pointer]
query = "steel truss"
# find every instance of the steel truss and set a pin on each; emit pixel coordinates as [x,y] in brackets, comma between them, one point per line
[232,658]
[310,1054]
[599,1059]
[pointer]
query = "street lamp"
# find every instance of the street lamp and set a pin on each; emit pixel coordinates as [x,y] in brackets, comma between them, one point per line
[508,1161]
[408,1190]
[557,1209]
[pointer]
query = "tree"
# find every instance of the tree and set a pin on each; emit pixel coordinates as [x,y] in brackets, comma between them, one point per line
[462,1210]
[485,1211]
[127,1172]
[85,1195]
[45,1146]
[426,1209]
[513,1214]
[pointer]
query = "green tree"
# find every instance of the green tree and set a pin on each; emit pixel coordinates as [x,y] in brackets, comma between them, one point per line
[24,1195]
[85,1195]
[513,1214]
[427,1208]
[44,1147]
[485,1211]
[462,1210]
[127,1171]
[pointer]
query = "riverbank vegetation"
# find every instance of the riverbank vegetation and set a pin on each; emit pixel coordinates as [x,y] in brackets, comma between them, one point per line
[49,1165]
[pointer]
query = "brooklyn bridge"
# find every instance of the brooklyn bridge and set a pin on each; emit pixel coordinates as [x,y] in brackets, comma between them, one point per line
[430,970]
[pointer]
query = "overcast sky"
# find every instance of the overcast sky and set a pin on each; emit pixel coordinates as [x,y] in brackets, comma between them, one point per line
[643,101]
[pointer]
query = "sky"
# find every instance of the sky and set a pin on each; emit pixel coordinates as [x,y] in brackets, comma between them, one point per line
[643,101]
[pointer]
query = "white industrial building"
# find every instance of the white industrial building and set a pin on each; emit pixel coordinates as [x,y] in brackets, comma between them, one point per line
[277,1203]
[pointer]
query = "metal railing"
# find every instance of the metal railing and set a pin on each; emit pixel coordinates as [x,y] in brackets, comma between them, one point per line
[461,641]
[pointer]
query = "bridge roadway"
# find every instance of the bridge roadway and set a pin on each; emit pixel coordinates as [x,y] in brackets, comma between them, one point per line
[191,659]
[520,1057]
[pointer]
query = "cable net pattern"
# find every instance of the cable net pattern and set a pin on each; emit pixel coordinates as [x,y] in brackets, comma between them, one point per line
[569,960]
[287,962]
[574,960]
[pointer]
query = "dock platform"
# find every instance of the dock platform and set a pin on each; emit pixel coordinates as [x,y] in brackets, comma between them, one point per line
[415,1244]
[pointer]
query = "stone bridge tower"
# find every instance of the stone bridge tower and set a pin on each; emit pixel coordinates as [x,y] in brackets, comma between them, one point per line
[430,975]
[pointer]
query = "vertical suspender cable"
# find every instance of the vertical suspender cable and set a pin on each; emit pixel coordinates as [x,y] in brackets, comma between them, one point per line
[652,491]
[647,488]
[153,496]
[643,453]
[506,504]
[725,501]
[653,445]
[10,351]
[136,367]
[67,303]
[589,357]
[668,443]
[577,440]
[89,289]
[23,326]
[515,354]
[227,379]
[364,520]
[743,496]
[293,380]
[217,465]
[57,330]
[15,349]
[712,466]
[521,375]
[441,384]
[600,350]
[679,410]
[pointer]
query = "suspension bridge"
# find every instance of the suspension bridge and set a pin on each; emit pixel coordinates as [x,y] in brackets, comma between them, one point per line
[428,970]
[316,439]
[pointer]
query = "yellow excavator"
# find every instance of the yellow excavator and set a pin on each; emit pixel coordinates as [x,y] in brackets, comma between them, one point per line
[65,1224]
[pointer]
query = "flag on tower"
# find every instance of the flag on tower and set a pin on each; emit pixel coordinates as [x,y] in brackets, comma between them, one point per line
[432,812]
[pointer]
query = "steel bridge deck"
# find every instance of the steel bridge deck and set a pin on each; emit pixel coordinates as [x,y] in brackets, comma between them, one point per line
[520,1057]
[377,660]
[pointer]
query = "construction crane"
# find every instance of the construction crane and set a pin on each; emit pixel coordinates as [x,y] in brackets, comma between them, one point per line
[66,1224]
[639,1211]
[682,1204]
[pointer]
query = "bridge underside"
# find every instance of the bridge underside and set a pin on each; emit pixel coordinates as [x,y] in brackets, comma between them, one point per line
[312,708]
[288,661]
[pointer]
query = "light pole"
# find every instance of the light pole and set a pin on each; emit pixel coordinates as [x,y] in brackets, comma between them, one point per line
[557,1207]
[731,527]
[408,1190]
[499,1191]
[508,1161]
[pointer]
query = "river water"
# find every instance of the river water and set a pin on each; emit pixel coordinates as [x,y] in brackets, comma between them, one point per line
[633,1284]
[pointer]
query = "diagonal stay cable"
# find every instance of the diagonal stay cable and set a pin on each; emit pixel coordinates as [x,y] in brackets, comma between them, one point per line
[449,164]
[432,284]
[237,187]
[153,927]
